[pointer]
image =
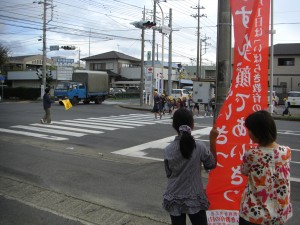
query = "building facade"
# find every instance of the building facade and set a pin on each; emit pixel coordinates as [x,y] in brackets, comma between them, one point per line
[286,68]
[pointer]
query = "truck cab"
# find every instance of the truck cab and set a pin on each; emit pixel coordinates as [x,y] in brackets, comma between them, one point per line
[70,90]
[86,86]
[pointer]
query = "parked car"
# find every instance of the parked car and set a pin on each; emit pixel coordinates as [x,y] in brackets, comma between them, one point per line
[294,98]
[179,93]
[114,91]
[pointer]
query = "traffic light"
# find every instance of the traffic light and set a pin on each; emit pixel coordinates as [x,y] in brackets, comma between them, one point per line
[68,47]
[143,24]
[149,24]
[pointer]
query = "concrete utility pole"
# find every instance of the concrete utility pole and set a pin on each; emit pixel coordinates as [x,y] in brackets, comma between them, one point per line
[198,73]
[153,52]
[79,59]
[44,49]
[223,54]
[142,64]
[170,54]
[45,4]
[162,47]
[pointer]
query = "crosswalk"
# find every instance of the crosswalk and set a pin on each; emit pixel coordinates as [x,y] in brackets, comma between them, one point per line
[65,129]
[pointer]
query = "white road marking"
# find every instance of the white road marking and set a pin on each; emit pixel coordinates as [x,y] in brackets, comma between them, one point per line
[78,124]
[118,120]
[33,134]
[137,151]
[295,179]
[114,122]
[47,130]
[68,128]
[288,132]
[91,121]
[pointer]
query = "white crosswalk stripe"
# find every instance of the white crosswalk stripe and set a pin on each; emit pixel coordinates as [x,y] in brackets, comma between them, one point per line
[77,124]
[49,130]
[92,121]
[81,127]
[33,134]
[68,128]
[119,121]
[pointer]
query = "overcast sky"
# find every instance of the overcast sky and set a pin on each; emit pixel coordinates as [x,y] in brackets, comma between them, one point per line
[99,26]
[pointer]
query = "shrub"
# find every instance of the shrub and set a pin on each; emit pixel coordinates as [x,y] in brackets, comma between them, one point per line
[21,93]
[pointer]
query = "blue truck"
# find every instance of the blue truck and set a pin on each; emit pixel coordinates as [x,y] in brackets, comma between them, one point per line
[86,86]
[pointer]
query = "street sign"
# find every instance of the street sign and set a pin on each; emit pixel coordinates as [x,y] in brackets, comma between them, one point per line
[64,72]
[148,80]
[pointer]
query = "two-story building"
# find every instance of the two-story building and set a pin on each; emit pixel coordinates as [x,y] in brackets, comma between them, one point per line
[286,68]
[125,70]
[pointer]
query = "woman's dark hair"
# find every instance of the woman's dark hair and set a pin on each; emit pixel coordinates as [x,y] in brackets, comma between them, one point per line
[187,144]
[262,126]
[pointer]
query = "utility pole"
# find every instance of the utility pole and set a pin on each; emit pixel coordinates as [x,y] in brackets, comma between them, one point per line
[79,59]
[198,38]
[44,49]
[223,54]
[201,54]
[142,64]
[45,4]
[170,54]
[90,43]
[153,53]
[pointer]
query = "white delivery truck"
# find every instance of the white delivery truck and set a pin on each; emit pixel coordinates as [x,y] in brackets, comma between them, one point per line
[203,92]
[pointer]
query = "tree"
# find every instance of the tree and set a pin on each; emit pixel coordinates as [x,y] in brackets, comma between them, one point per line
[3,55]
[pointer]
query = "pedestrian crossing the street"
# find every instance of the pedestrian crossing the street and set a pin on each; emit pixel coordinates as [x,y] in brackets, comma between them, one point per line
[65,129]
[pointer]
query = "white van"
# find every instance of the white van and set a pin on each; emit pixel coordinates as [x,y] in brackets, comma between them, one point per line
[188,88]
[294,98]
[179,93]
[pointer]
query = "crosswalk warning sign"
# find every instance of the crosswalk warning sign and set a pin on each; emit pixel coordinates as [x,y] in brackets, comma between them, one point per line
[67,104]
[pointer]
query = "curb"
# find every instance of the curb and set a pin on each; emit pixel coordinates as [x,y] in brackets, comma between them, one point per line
[68,206]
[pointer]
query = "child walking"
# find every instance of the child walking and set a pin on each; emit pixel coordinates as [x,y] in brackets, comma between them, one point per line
[183,158]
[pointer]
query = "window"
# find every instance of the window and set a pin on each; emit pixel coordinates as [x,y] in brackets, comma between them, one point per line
[98,66]
[286,62]
[125,65]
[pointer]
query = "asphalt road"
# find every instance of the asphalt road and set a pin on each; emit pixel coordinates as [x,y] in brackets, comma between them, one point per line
[94,174]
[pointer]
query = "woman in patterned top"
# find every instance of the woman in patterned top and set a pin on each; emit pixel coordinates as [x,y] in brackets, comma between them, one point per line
[183,158]
[266,198]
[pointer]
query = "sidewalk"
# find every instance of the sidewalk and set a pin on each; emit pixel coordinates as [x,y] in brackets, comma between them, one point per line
[295,112]
[62,209]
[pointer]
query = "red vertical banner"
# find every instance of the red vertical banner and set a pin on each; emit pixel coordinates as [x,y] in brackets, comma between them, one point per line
[247,94]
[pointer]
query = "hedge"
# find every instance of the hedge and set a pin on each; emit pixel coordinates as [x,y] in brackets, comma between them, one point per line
[21,93]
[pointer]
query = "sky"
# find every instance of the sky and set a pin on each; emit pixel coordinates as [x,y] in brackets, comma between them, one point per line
[99,26]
